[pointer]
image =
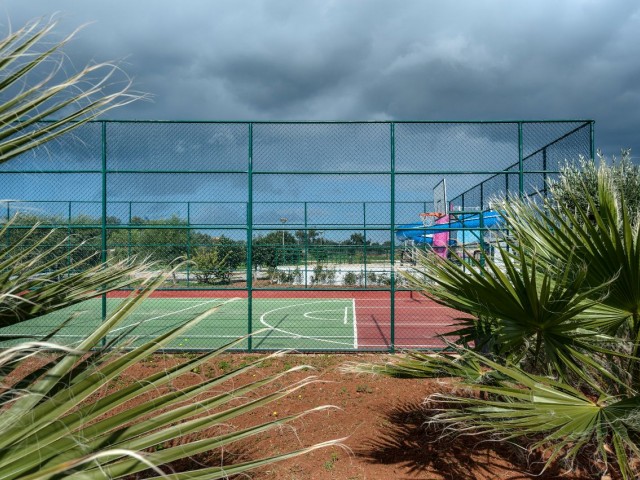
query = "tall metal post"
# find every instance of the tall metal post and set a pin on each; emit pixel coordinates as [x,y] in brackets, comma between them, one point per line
[364,248]
[544,168]
[392,333]
[249,224]
[103,242]
[129,235]
[8,219]
[69,234]
[188,242]
[481,239]
[306,246]
[520,163]
[592,139]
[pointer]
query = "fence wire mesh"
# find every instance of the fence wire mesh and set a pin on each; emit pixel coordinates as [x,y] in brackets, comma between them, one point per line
[300,228]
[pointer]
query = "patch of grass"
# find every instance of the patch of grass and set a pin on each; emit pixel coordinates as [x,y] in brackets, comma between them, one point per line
[363,388]
[329,464]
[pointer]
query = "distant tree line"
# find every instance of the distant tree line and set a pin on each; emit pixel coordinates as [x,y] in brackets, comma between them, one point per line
[213,257]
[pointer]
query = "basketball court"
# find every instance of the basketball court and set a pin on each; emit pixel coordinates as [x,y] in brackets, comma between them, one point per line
[319,320]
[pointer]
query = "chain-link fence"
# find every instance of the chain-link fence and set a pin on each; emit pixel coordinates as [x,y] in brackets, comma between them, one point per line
[292,218]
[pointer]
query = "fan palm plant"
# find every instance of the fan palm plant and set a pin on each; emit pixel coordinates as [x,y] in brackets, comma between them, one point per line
[604,237]
[553,329]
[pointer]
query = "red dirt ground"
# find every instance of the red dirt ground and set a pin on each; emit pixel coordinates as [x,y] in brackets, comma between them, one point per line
[383,420]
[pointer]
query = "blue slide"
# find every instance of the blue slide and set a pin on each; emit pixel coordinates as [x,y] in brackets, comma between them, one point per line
[424,235]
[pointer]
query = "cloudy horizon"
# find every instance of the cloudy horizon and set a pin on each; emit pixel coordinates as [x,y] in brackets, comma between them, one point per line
[366,60]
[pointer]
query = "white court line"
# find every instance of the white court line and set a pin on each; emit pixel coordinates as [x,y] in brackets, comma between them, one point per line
[344,320]
[297,335]
[173,313]
[415,324]
[355,326]
[405,345]
[386,307]
[197,337]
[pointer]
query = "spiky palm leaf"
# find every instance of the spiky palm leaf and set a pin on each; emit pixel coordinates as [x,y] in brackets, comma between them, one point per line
[532,309]
[57,425]
[76,99]
[456,363]
[552,415]
[606,239]
[35,279]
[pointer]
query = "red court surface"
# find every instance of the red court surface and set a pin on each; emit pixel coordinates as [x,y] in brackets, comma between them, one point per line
[418,322]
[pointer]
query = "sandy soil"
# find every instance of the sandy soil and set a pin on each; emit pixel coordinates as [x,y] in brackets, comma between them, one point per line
[383,420]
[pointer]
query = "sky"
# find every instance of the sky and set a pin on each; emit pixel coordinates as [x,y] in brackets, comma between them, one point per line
[365,59]
[337,60]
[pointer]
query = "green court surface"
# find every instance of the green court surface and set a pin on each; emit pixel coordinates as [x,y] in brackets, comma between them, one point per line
[310,324]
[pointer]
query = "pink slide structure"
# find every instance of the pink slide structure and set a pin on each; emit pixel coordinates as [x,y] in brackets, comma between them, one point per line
[441,239]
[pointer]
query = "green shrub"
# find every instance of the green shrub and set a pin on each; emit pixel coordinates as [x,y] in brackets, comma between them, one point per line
[624,174]
[350,279]
[210,268]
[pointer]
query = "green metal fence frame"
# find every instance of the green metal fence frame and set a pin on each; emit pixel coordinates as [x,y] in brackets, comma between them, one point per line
[251,227]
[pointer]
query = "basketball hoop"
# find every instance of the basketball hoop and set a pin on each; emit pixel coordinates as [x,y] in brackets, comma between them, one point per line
[429,217]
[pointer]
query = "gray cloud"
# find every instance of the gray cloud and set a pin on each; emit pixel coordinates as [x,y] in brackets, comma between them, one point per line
[338,60]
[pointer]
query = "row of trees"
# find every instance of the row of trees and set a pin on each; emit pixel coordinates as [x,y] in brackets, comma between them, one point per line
[164,244]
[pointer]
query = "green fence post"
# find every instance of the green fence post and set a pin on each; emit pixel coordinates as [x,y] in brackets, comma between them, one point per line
[392,333]
[306,246]
[69,234]
[188,242]
[103,236]
[592,139]
[520,164]
[481,239]
[8,220]
[129,234]
[544,168]
[364,248]
[249,224]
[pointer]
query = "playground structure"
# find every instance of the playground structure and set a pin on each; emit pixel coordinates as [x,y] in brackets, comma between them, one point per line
[445,230]
[297,198]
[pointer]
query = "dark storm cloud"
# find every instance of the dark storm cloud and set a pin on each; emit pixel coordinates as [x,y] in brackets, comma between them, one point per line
[335,60]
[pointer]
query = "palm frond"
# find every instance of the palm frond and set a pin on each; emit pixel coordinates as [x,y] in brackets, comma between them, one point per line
[551,415]
[532,310]
[425,365]
[23,55]
[36,279]
[57,420]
